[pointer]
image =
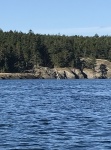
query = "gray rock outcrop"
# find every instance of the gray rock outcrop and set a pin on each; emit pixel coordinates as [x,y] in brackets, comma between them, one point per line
[62,73]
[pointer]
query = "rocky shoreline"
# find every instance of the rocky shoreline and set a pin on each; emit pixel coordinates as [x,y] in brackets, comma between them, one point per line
[61,73]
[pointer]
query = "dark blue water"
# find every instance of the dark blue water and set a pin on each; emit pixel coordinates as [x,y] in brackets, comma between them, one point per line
[55,114]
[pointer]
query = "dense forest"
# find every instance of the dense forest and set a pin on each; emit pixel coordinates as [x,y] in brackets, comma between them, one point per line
[24,51]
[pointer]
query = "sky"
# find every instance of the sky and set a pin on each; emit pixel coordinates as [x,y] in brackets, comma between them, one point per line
[68,17]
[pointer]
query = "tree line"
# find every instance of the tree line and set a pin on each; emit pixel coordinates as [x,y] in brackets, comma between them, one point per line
[23,51]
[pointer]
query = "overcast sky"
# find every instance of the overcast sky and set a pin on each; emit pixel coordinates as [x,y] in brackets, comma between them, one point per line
[69,17]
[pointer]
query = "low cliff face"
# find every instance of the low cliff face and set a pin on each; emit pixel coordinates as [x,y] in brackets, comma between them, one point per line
[74,73]
[64,73]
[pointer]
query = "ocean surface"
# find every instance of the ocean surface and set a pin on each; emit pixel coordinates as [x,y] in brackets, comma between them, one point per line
[55,114]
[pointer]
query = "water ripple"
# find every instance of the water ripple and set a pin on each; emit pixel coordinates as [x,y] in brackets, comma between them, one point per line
[55,114]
